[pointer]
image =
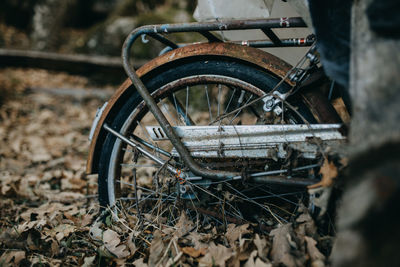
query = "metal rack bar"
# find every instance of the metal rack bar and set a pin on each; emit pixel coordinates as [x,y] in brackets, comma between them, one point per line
[294,42]
[163,40]
[272,36]
[210,37]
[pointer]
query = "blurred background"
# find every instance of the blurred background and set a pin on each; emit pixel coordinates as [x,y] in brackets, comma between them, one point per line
[85,37]
[99,27]
[90,27]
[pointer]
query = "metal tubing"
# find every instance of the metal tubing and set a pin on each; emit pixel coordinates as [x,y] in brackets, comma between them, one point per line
[196,27]
[210,37]
[276,172]
[163,40]
[279,180]
[222,25]
[293,42]
[272,36]
[157,149]
[142,150]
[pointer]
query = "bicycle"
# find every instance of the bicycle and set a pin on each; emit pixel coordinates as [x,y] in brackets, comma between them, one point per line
[256,135]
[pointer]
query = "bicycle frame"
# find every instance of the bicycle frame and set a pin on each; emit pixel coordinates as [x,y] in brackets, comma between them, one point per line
[203,28]
[157,32]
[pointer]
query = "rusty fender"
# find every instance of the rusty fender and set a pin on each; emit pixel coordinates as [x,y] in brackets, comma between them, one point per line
[233,52]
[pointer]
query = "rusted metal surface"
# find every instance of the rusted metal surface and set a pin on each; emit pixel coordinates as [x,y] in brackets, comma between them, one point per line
[283,180]
[224,25]
[292,42]
[95,148]
[319,106]
[217,79]
[257,141]
[254,56]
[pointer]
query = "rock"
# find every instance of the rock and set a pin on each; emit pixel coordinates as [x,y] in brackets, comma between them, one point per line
[48,19]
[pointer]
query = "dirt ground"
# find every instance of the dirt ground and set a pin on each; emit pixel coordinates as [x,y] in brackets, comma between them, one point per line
[49,213]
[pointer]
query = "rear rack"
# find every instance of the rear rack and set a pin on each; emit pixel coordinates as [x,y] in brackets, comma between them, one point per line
[205,29]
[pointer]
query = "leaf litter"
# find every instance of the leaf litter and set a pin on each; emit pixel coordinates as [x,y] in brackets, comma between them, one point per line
[49,210]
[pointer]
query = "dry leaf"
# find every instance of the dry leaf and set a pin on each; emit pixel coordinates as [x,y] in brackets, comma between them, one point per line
[250,262]
[244,250]
[253,261]
[317,258]
[88,261]
[63,230]
[131,245]
[234,232]
[66,197]
[192,252]
[72,183]
[31,225]
[216,256]
[140,263]
[261,245]
[260,263]
[329,173]
[197,239]
[55,248]
[40,260]
[156,249]
[112,243]
[12,258]
[183,226]
[282,247]
[305,225]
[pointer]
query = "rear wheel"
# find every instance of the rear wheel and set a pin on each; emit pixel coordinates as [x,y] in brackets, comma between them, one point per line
[193,94]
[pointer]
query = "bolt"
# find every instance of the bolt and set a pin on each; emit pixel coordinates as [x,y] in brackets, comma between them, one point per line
[269,103]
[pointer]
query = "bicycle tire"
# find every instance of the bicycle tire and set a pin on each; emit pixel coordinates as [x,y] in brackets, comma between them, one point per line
[166,75]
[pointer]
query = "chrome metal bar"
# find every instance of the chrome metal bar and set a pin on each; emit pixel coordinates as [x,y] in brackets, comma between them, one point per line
[252,141]
[138,147]
[157,149]
[271,173]
[292,42]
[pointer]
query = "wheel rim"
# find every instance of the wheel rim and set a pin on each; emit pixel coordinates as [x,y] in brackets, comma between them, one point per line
[216,86]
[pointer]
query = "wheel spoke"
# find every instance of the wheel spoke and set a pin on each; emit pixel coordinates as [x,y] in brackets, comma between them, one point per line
[266,208]
[208,102]
[219,98]
[181,111]
[165,107]
[237,113]
[176,107]
[230,100]
[187,106]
